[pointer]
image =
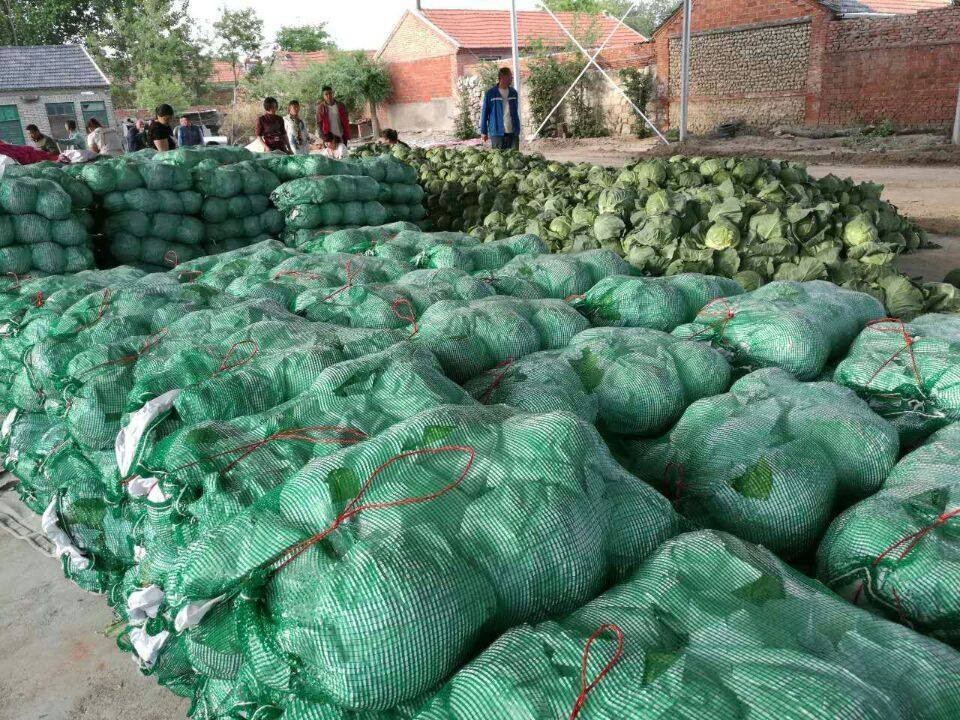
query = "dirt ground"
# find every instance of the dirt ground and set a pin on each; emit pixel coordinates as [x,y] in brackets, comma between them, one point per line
[57,659]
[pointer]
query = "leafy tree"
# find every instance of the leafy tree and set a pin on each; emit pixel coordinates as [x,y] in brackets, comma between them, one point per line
[239,35]
[644,18]
[357,80]
[51,22]
[305,38]
[149,52]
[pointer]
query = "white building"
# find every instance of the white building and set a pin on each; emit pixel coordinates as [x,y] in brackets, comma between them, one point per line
[46,85]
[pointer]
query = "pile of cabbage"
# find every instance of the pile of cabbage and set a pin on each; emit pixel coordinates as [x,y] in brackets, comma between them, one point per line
[752,219]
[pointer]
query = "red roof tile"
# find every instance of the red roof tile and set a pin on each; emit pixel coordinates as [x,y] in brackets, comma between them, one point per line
[491,28]
[222,72]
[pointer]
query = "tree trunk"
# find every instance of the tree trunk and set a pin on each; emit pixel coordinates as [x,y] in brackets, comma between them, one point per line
[374,120]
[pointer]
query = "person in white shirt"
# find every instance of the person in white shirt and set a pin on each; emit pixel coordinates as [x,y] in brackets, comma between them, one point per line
[332,147]
[103,140]
[296,129]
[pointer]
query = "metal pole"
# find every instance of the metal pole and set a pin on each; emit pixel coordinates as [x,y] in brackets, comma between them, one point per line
[515,46]
[685,68]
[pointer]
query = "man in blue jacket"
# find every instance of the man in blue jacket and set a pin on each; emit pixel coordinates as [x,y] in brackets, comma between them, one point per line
[500,114]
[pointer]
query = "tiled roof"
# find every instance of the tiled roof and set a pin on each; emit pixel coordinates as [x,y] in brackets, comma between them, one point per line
[895,7]
[222,73]
[491,28]
[34,67]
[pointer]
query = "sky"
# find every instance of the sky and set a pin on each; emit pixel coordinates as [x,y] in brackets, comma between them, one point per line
[354,24]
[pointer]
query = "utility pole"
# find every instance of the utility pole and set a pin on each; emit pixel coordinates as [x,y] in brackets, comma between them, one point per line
[515,45]
[956,122]
[685,67]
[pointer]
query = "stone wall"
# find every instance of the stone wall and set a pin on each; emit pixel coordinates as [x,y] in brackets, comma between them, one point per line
[904,69]
[755,74]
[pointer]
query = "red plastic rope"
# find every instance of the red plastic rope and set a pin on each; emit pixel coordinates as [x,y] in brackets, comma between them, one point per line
[191,275]
[348,271]
[300,273]
[504,368]
[17,280]
[721,322]
[410,317]
[585,687]
[353,508]
[225,364]
[909,542]
[38,300]
[679,474]
[104,303]
[908,343]
[170,257]
[576,296]
[348,436]
[151,342]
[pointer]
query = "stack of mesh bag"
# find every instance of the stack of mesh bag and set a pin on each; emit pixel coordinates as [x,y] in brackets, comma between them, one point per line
[712,628]
[236,206]
[773,461]
[44,225]
[896,553]
[796,326]
[326,194]
[659,303]
[372,574]
[908,372]
[627,381]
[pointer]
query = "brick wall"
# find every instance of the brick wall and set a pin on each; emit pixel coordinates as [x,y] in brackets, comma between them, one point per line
[415,39]
[35,112]
[904,69]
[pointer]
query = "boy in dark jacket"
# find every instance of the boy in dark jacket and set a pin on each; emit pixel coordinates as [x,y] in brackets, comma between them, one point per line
[500,113]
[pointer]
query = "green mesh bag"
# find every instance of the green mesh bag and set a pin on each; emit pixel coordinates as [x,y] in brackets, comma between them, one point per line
[388,305]
[354,240]
[319,190]
[161,176]
[798,327]
[710,627]
[290,167]
[661,303]
[48,257]
[452,494]
[31,229]
[69,232]
[386,169]
[627,381]
[8,235]
[470,338]
[15,259]
[772,461]
[125,248]
[895,553]
[78,258]
[53,202]
[907,372]
[18,196]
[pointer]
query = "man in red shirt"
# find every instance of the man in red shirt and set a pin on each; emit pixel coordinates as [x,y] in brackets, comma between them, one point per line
[332,116]
[270,128]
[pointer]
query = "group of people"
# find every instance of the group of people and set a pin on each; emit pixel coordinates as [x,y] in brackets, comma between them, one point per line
[499,123]
[159,134]
[288,133]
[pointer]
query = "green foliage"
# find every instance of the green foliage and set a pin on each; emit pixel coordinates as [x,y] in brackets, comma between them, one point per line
[53,22]
[239,36]
[644,18]
[548,78]
[638,85]
[149,51]
[356,79]
[305,38]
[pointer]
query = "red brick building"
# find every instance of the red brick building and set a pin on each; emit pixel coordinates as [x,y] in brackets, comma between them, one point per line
[429,49]
[763,62]
[808,62]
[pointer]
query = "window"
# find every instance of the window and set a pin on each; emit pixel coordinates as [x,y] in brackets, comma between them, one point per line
[95,109]
[57,116]
[10,130]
